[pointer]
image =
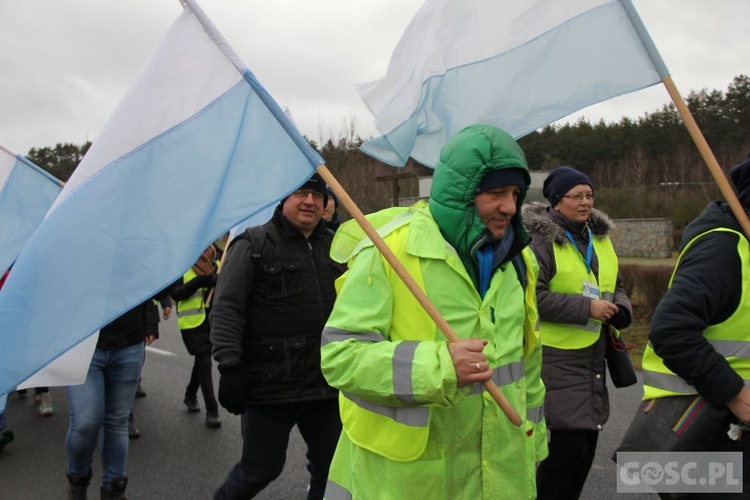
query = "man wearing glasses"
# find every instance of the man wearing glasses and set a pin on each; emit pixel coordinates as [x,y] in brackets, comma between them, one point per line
[273,297]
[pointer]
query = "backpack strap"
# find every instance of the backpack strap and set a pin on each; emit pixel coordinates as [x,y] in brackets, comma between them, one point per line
[257,236]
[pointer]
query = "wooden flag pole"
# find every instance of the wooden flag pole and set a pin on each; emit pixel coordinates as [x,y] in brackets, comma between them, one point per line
[708,156]
[419,294]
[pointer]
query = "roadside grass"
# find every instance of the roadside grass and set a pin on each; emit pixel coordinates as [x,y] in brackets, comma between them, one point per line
[637,334]
[645,281]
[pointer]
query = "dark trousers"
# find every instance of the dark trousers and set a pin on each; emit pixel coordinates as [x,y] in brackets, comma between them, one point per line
[265,435]
[562,474]
[202,377]
[652,429]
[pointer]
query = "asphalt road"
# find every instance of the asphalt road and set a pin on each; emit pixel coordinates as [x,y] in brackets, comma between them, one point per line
[178,457]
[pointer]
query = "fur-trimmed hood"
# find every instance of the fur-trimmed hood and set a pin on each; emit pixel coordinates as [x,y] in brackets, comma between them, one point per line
[536,220]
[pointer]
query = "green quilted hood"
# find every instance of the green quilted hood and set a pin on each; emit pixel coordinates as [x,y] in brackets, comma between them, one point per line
[464,161]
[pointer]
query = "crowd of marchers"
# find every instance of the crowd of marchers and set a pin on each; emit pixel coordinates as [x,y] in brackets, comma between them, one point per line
[312,327]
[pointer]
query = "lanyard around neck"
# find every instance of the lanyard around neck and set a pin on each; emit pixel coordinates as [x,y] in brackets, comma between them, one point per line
[589,249]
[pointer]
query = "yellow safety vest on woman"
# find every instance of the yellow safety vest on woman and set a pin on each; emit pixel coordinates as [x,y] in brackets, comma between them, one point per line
[730,338]
[571,274]
[191,312]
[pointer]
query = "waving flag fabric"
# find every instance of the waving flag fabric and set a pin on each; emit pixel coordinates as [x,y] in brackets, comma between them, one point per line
[26,193]
[195,146]
[519,65]
[265,215]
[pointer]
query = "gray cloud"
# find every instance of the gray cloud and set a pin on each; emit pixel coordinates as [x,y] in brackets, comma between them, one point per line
[65,65]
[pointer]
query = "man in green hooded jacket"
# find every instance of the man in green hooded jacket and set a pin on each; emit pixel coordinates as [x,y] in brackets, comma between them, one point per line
[417,421]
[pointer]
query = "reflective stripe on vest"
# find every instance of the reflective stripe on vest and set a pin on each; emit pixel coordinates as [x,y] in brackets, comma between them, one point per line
[729,338]
[191,312]
[331,334]
[668,384]
[569,278]
[418,416]
[503,375]
[535,414]
[335,491]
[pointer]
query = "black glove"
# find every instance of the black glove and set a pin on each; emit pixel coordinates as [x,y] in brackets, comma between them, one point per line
[622,319]
[232,390]
[204,280]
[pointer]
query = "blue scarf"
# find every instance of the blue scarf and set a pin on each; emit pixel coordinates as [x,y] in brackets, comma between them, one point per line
[492,255]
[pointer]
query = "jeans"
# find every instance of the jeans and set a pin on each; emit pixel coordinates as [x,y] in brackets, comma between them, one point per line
[265,435]
[103,402]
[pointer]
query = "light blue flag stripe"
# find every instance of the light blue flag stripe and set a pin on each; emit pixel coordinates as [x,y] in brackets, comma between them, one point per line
[25,197]
[586,60]
[121,238]
[642,32]
[141,220]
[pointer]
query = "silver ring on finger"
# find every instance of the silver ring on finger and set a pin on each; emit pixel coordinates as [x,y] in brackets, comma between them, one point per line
[479,369]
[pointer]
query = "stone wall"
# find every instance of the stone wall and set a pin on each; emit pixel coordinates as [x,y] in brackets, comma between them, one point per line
[650,238]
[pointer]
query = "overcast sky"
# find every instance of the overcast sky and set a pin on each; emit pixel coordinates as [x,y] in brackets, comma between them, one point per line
[65,64]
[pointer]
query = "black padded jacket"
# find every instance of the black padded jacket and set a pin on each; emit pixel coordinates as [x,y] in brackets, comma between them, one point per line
[273,297]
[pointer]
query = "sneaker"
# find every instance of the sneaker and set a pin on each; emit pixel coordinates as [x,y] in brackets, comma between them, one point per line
[44,406]
[212,419]
[139,392]
[133,432]
[192,403]
[6,436]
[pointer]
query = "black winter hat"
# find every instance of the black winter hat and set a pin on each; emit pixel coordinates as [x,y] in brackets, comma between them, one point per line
[316,183]
[560,180]
[503,177]
[741,178]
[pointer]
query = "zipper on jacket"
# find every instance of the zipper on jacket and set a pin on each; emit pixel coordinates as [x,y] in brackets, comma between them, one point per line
[316,279]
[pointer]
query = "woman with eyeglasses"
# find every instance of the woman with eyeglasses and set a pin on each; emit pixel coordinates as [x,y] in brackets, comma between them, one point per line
[579,293]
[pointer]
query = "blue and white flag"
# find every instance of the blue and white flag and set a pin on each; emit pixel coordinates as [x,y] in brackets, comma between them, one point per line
[258,218]
[195,146]
[26,193]
[519,65]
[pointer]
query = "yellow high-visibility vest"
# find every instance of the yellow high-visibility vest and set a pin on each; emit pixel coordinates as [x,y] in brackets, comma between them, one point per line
[401,434]
[191,312]
[730,338]
[569,278]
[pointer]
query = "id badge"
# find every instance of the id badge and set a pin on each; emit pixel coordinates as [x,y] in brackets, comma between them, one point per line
[590,290]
